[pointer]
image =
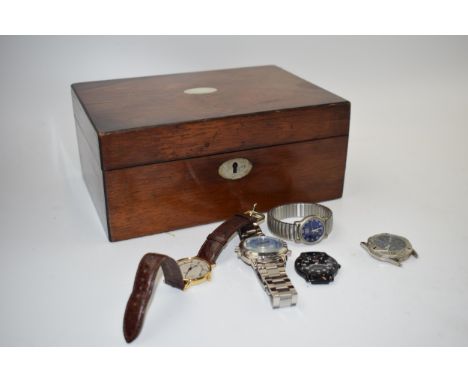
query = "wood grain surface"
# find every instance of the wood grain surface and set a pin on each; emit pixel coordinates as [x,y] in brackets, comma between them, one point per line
[198,139]
[165,196]
[150,152]
[130,103]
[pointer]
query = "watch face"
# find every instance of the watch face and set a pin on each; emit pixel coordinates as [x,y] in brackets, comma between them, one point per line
[389,242]
[263,244]
[312,230]
[194,268]
[316,267]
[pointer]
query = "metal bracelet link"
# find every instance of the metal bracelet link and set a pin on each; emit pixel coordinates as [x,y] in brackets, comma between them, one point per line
[277,284]
[252,230]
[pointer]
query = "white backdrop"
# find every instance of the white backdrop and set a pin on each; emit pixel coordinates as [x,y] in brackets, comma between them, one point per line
[62,283]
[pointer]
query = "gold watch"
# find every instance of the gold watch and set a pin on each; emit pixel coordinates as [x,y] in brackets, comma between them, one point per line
[195,270]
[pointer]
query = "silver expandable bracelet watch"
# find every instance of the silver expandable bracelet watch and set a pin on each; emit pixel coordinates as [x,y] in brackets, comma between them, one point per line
[315,225]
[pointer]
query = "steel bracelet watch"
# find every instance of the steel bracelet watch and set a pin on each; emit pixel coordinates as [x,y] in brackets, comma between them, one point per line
[315,225]
[390,248]
[267,256]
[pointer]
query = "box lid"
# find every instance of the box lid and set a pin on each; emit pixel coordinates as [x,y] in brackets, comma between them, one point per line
[168,117]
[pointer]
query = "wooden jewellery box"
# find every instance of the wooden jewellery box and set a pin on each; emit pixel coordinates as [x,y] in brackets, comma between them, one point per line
[172,151]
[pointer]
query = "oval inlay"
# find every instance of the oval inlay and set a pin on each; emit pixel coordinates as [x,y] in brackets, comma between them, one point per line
[200,90]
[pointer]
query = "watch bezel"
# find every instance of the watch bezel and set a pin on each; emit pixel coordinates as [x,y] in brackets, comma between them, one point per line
[301,269]
[398,254]
[300,224]
[252,257]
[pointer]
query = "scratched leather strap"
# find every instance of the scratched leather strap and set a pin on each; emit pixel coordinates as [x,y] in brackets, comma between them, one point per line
[143,288]
[216,240]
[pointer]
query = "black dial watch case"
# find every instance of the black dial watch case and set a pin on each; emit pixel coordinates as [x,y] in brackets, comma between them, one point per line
[316,267]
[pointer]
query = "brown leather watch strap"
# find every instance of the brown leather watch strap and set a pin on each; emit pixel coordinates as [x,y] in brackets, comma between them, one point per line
[215,241]
[143,287]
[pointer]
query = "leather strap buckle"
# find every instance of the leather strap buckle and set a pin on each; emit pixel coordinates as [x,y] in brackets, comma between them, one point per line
[255,214]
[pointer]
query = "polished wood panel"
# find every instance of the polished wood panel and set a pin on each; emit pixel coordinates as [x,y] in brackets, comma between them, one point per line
[197,139]
[92,176]
[130,103]
[150,119]
[155,198]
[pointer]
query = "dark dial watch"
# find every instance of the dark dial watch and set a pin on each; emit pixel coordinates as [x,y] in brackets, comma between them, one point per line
[316,267]
[391,248]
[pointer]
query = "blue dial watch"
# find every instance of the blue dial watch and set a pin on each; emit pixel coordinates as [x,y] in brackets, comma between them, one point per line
[315,225]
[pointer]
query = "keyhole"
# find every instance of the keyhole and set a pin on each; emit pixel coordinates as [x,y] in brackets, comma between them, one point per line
[234,168]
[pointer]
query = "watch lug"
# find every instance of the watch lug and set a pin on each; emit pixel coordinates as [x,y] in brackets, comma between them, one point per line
[297,236]
[253,263]
[391,261]
[187,284]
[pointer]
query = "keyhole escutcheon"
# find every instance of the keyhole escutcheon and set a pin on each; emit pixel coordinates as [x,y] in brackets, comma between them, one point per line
[235,168]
